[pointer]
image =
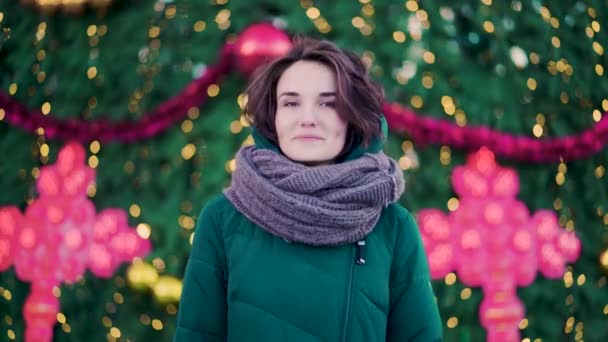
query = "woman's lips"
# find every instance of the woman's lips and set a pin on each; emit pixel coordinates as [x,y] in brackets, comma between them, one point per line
[308,138]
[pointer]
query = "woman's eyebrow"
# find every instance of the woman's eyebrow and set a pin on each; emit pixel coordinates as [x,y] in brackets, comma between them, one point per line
[289,93]
[327,94]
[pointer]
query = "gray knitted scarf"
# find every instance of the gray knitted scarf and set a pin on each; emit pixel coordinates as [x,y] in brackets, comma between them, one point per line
[322,205]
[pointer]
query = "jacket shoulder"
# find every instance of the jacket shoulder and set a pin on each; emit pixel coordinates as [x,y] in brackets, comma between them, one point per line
[397,228]
[222,214]
[400,219]
[216,205]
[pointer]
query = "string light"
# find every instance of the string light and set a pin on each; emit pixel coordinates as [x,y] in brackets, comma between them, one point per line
[213,90]
[488,26]
[416,101]
[222,19]
[187,126]
[445,155]
[450,279]
[452,322]
[399,36]
[523,324]
[134,210]
[453,204]
[200,26]
[157,324]
[314,14]
[94,147]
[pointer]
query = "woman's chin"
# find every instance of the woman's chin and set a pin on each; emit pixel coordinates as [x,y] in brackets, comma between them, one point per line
[311,160]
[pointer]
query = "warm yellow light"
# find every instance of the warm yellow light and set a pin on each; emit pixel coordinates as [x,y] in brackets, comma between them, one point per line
[555,42]
[580,281]
[61,318]
[450,279]
[157,325]
[154,31]
[568,281]
[597,47]
[313,13]
[213,90]
[488,26]
[411,5]
[358,22]
[236,127]
[453,204]
[46,108]
[115,332]
[95,147]
[399,36]
[91,30]
[523,324]
[188,151]
[134,210]
[417,101]
[560,179]
[222,16]
[452,322]
[537,130]
[93,161]
[44,150]
[200,26]
[144,230]
[427,82]
[91,72]
[187,126]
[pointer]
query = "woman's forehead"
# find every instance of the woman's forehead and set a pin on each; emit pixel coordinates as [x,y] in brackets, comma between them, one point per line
[307,78]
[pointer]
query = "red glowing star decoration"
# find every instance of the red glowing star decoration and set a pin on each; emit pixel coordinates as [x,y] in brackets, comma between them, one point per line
[491,241]
[60,235]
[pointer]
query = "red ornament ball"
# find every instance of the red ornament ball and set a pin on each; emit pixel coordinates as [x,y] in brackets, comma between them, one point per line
[259,44]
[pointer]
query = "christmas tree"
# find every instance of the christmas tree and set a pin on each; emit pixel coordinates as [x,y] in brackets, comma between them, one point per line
[154,92]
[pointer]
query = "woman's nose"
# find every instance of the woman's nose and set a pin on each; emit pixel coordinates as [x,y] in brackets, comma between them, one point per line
[308,116]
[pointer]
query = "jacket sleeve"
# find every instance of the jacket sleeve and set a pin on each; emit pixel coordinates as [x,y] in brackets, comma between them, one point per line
[413,312]
[202,308]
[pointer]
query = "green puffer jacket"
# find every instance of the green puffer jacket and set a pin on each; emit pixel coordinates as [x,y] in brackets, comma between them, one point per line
[245,284]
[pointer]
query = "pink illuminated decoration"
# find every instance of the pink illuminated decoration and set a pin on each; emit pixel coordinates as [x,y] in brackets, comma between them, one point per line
[60,236]
[492,242]
[260,43]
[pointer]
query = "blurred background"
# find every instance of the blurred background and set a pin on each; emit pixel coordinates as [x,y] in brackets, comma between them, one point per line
[149,95]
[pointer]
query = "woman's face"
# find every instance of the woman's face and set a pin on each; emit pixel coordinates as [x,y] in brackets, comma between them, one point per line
[308,126]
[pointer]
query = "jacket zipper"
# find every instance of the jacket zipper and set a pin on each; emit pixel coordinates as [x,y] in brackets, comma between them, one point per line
[357,260]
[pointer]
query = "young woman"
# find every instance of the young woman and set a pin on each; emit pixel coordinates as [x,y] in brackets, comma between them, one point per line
[309,243]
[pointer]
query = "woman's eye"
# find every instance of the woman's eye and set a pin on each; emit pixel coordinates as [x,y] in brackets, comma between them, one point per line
[290,104]
[330,104]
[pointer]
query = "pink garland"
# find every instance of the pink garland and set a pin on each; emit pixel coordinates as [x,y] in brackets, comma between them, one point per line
[168,113]
[423,130]
[426,130]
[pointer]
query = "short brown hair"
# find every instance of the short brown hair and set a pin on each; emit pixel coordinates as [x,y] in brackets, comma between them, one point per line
[358,98]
